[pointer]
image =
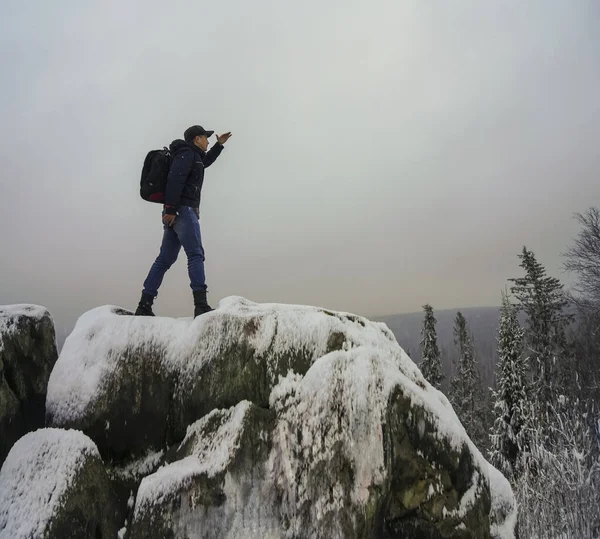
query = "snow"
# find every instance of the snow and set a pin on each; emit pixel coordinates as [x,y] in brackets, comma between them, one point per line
[210,456]
[23,309]
[354,381]
[141,467]
[468,498]
[503,514]
[92,354]
[9,314]
[38,471]
[248,507]
[341,402]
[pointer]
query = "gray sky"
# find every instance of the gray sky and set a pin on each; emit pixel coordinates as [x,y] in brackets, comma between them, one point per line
[384,154]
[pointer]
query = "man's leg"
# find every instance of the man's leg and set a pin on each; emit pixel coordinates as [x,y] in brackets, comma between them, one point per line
[187,227]
[169,250]
[191,240]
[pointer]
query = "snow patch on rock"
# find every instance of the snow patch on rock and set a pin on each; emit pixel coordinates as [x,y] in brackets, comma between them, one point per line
[38,471]
[9,314]
[503,514]
[210,456]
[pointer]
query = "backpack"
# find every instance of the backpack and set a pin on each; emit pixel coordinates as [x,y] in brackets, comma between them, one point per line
[154,175]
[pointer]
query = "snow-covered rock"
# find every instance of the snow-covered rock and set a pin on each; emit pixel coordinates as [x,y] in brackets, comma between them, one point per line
[134,383]
[365,447]
[27,356]
[273,421]
[53,485]
[503,516]
[218,486]
[355,449]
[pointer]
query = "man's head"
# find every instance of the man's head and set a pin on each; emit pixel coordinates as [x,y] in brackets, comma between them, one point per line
[198,136]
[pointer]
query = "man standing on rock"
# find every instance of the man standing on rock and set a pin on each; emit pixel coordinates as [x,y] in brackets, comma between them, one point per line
[181,217]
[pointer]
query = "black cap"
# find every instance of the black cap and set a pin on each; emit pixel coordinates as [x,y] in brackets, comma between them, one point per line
[196,131]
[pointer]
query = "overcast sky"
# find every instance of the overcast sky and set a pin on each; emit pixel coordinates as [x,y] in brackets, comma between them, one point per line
[384,154]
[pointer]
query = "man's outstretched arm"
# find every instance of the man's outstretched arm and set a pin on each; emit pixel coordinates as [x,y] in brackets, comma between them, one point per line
[211,155]
[215,151]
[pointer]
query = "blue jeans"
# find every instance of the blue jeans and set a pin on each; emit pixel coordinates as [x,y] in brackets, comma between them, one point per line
[184,232]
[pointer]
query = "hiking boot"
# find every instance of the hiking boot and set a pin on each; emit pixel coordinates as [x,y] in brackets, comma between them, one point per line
[144,307]
[200,304]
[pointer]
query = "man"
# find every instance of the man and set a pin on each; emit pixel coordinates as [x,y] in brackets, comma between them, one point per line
[181,214]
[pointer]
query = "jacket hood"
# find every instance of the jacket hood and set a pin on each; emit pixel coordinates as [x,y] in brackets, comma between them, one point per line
[178,144]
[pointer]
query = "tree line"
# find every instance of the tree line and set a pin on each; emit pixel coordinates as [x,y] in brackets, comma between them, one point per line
[540,423]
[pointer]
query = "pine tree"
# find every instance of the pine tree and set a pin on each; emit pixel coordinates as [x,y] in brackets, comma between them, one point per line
[512,406]
[543,301]
[462,380]
[465,392]
[431,363]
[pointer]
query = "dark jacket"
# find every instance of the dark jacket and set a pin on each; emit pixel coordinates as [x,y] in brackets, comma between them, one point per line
[186,175]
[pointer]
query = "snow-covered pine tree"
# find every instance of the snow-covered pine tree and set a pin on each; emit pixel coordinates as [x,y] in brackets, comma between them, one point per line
[512,406]
[462,379]
[465,391]
[558,489]
[431,363]
[542,299]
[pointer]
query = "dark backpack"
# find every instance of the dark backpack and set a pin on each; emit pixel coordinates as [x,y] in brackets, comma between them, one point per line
[154,175]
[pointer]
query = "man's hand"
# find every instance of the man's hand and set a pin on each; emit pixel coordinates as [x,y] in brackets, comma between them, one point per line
[222,139]
[169,219]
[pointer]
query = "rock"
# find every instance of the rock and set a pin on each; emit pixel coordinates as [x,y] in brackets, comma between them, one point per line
[134,384]
[53,485]
[364,447]
[353,449]
[126,478]
[503,514]
[273,421]
[217,486]
[27,355]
